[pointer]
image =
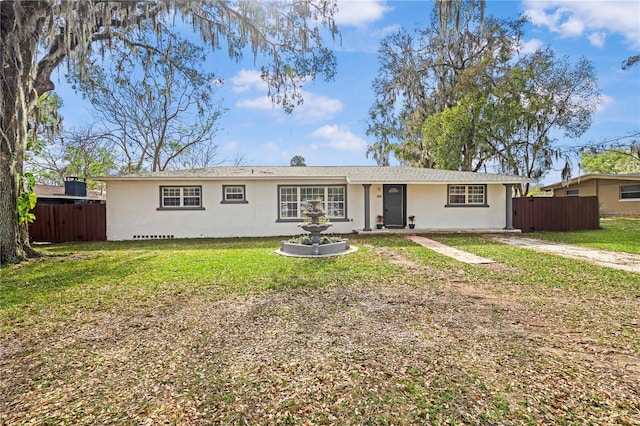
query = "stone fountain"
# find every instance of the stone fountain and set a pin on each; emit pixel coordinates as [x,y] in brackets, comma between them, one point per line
[317,246]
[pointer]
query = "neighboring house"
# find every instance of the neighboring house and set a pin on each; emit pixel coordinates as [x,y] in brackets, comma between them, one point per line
[619,195]
[268,201]
[73,192]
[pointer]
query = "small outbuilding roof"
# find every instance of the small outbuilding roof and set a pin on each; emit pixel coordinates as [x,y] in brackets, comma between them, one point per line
[352,174]
[586,178]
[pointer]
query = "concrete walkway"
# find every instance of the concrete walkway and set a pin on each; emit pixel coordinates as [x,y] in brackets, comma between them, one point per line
[611,259]
[446,250]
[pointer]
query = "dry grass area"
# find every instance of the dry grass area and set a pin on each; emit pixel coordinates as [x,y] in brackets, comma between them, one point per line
[427,345]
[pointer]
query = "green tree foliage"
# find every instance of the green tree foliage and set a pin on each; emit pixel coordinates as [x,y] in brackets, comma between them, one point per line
[453,139]
[610,162]
[297,161]
[463,99]
[461,53]
[37,36]
[540,98]
[27,200]
[45,123]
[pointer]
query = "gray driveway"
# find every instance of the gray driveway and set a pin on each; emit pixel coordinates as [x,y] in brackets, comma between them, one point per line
[611,259]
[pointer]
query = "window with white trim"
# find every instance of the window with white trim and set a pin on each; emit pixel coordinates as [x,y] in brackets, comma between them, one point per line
[233,194]
[630,192]
[180,197]
[293,200]
[572,193]
[467,195]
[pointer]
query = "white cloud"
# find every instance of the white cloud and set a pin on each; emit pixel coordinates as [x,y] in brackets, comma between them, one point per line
[315,108]
[531,46]
[597,38]
[385,31]
[340,138]
[604,101]
[246,80]
[358,13]
[575,18]
[262,103]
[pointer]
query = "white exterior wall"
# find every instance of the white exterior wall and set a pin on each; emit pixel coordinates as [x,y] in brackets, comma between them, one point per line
[132,210]
[428,204]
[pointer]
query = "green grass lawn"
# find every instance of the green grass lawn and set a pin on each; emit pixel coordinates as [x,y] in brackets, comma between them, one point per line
[226,331]
[616,234]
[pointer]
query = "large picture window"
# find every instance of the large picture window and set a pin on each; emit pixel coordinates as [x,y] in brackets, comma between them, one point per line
[293,200]
[180,197]
[467,195]
[630,192]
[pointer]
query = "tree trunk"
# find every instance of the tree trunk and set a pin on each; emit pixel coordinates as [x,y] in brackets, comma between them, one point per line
[13,122]
[17,98]
[11,250]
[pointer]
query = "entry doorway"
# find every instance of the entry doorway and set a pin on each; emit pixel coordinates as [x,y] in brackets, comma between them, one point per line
[395,205]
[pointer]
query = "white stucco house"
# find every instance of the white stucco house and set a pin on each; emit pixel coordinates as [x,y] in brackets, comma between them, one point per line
[267,201]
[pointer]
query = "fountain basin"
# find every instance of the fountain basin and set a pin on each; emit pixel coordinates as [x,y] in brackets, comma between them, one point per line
[328,249]
[315,245]
[315,227]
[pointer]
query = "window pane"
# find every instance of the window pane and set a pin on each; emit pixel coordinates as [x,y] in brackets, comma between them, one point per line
[456,199]
[311,193]
[289,202]
[630,192]
[467,194]
[335,201]
[191,201]
[476,194]
[191,192]
[171,202]
[176,196]
[234,193]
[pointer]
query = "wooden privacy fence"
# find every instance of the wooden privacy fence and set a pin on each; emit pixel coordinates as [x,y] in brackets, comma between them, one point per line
[556,213]
[69,222]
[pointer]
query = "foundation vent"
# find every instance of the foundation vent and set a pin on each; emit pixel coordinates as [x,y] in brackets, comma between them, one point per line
[152,237]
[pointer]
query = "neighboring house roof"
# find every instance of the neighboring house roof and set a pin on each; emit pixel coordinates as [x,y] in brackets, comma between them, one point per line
[352,174]
[586,178]
[52,191]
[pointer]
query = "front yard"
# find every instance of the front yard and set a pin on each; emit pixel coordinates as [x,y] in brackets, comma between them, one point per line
[226,331]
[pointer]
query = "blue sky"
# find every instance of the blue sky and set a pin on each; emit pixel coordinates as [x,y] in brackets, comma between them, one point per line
[329,129]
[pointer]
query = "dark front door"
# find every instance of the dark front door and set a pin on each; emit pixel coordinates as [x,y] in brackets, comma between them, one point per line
[394,206]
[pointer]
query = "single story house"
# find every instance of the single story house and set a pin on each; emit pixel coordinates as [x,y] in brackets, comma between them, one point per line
[268,201]
[618,195]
